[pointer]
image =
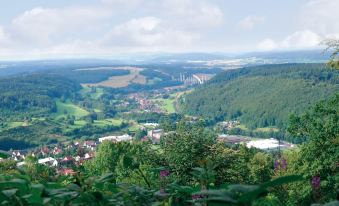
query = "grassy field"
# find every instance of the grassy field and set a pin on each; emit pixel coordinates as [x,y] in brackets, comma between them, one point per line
[267,129]
[242,127]
[11,125]
[166,104]
[133,126]
[16,124]
[153,81]
[68,108]
[115,122]
[99,123]
[94,95]
[122,81]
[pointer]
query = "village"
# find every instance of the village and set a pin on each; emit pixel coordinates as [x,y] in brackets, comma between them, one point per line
[65,157]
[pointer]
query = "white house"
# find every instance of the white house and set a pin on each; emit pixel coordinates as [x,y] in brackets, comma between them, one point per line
[48,161]
[124,137]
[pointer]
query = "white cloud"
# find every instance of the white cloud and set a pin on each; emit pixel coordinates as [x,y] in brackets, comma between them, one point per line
[170,25]
[142,31]
[121,2]
[249,22]
[146,31]
[301,39]
[321,16]
[107,26]
[45,26]
[298,40]
[267,44]
[3,36]
[193,14]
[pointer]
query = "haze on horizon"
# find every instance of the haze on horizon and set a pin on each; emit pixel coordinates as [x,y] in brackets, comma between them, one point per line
[105,28]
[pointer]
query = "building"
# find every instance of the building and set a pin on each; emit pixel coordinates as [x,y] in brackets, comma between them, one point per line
[151,124]
[120,138]
[50,161]
[268,144]
[232,139]
[155,135]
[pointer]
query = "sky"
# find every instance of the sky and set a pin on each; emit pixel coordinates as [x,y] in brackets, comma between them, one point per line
[105,28]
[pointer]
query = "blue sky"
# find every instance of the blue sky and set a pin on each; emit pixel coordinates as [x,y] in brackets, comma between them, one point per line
[103,28]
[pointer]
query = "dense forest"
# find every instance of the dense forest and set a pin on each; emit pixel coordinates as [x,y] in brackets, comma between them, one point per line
[262,96]
[33,95]
[91,76]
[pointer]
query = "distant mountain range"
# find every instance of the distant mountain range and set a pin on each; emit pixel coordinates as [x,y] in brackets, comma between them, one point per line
[196,59]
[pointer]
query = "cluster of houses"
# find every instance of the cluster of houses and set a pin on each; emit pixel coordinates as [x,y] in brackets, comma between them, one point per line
[145,103]
[66,156]
[63,157]
[228,125]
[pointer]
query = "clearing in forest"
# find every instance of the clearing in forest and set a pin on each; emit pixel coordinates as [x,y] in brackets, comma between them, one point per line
[124,80]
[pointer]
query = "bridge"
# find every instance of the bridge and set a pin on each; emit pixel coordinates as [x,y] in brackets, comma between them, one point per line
[201,81]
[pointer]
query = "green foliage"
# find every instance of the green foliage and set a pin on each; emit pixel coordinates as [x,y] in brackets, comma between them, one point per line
[333,44]
[33,95]
[232,165]
[260,168]
[7,166]
[130,163]
[185,148]
[37,172]
[243,194]
[106,159]
[319,157]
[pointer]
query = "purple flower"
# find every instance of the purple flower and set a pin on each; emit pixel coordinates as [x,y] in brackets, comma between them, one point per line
[280,164]
[197,197]
[316,182]
[276,165]
[283,164]
[164,173]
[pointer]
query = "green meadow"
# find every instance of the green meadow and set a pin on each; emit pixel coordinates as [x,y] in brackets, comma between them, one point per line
[68,108]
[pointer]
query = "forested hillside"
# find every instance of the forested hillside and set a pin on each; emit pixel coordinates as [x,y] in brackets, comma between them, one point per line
[262,96]
[33,94]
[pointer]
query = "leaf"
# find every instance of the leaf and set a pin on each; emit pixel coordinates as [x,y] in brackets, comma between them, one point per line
[9,193]
[218,195]
[334,203]
[74,187]
[107,177]
[250,196]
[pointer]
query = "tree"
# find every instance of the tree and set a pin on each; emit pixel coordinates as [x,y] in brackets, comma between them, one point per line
[139,134]
[185,148]
[319,157]
[333,44]
[36,171]
[7,166]
[105,160]
[231,163]
[260,168]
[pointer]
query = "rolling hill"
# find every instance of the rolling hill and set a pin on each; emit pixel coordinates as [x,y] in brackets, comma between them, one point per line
[34,94]
[262,96]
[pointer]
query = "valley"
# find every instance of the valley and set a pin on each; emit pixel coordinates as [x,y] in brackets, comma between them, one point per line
[260,99]
[96,121]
